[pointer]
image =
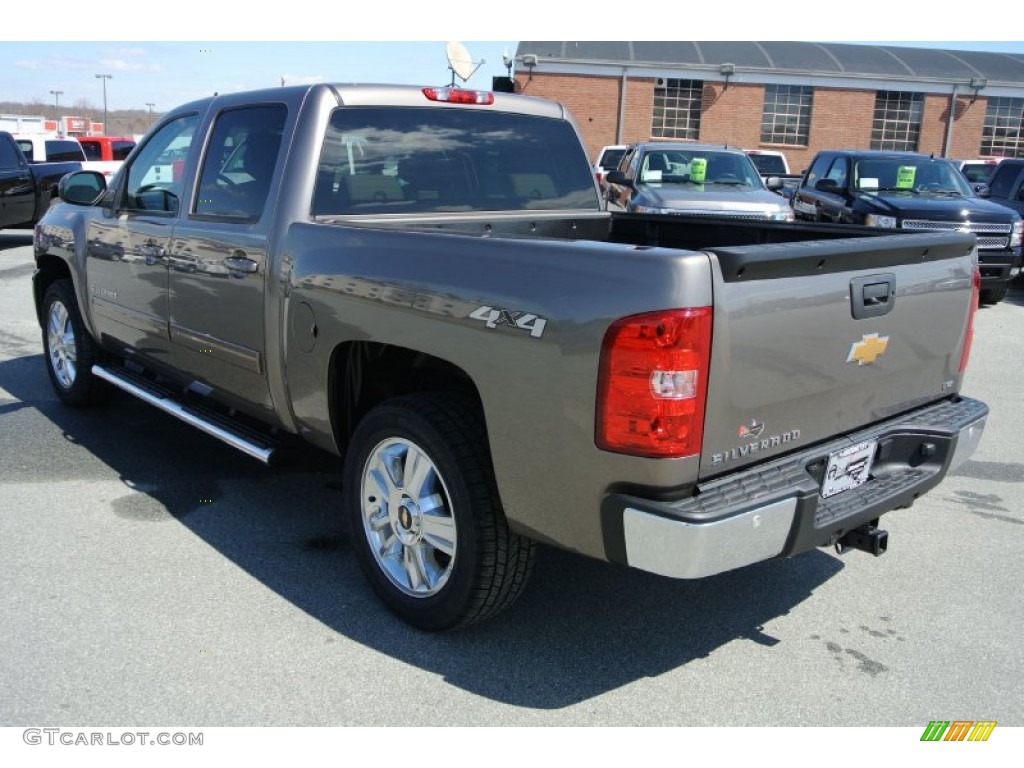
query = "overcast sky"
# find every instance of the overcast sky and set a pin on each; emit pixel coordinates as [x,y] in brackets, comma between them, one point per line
[149,63]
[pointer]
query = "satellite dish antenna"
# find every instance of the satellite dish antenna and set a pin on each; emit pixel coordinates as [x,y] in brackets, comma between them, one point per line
[460,62]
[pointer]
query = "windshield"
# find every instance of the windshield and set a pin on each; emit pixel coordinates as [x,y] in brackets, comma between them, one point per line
[910,175]
[769,165]
[698,167]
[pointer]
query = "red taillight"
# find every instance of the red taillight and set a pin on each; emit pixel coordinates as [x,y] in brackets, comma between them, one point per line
[969,337]
[652,384]
[459,96]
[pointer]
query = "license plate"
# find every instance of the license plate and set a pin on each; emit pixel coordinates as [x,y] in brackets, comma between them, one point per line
[847,468]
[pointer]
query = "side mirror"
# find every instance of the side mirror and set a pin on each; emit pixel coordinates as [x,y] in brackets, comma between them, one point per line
[81,187]
[617,177]
[774,183]
[982,190]
[826,185]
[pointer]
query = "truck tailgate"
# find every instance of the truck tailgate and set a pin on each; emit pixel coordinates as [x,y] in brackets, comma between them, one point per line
[812,340]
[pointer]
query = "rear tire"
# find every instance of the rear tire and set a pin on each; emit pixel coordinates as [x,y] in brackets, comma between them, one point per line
[427,524]
[994,295]
[70,351]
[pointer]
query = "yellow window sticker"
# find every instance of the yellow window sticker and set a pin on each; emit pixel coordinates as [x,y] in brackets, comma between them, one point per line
[698,169]
[905,177]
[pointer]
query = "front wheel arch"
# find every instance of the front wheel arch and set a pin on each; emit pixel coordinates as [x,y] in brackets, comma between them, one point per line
[69,350]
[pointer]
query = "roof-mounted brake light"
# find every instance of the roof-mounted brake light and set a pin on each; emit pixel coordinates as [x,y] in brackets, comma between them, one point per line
[459,96]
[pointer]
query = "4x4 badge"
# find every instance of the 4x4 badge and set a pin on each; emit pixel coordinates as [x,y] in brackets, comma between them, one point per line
[524,321]
[868,349]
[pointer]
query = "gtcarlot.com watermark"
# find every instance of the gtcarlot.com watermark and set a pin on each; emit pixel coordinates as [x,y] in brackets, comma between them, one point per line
[72,738]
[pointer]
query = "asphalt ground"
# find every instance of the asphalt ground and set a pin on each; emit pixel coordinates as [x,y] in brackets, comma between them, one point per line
[153,575]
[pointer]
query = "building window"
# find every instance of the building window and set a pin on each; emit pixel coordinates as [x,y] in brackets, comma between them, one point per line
[786,118]
[676,109]
[897,123]
[1003,132]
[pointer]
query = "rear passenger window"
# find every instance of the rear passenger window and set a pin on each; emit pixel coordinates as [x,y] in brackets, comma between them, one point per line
[240,162]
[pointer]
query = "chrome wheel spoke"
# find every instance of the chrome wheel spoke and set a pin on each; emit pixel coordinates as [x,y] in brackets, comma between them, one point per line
[415,569]
[439,532]
[69,345]
[391,462]
[389,547]
[417,469]
[379,478]
[379,520]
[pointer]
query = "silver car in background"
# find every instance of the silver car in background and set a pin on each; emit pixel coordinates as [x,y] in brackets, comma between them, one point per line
[682,177]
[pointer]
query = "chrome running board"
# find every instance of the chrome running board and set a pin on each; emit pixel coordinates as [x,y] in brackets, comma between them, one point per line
[235,435]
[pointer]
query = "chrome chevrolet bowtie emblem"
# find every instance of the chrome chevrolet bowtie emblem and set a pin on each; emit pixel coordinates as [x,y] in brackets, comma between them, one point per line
[752,430]
[868,349]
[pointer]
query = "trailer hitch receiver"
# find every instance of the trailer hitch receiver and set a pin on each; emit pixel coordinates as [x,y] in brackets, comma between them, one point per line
[867,538]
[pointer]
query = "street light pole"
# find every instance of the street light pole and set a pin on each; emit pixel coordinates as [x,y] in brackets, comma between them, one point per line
[56,104]
[104,78]
[150,104]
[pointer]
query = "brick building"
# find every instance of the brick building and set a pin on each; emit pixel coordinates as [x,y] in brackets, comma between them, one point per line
[797,97]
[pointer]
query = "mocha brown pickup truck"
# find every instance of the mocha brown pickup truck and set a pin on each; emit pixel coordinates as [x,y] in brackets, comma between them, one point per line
[424,282]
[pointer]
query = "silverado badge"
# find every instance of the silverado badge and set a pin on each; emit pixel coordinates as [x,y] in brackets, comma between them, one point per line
[868,349]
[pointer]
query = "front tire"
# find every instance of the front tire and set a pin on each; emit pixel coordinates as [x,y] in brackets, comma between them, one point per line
[69,350]
[427,524]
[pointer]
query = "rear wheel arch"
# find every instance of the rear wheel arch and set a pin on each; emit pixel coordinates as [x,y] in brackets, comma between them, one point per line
[364,374]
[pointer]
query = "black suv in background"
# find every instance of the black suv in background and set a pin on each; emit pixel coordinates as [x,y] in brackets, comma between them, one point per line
[911,191]
[1006,185]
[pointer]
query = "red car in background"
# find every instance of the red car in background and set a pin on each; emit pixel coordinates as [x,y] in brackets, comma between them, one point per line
[107,147]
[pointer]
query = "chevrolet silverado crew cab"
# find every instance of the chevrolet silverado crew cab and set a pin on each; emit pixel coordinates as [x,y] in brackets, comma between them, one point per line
[424,282]
[905,190]
[26,189]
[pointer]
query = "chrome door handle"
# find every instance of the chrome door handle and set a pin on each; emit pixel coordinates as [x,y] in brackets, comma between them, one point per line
[152,253]
[241,264]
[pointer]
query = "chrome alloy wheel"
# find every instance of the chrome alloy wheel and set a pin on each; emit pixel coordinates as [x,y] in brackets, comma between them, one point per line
[61,346]
[407,517]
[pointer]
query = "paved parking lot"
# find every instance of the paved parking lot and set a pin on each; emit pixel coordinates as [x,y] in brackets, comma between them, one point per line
[152,575]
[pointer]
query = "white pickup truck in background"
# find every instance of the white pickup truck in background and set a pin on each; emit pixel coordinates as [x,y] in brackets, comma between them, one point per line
[48,148]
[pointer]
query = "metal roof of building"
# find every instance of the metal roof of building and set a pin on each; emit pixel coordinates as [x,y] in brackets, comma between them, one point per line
[838,59]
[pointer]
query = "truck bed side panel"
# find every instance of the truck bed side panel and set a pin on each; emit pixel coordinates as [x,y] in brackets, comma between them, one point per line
[418,291]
